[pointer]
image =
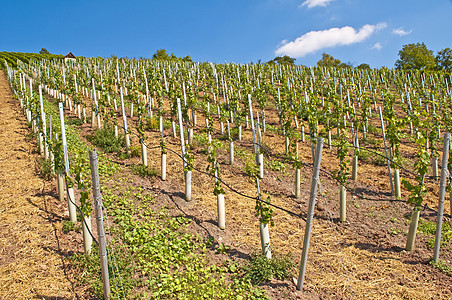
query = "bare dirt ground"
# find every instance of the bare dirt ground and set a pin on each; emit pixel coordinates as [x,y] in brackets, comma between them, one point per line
[32,248]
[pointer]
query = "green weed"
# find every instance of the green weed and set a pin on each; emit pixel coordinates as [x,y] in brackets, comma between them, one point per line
[70,226]
[442,266]
[105,139]
[262,269]
[44,168]
[144,171]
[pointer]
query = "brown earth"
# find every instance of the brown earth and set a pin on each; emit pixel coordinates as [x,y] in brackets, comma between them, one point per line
[32,245]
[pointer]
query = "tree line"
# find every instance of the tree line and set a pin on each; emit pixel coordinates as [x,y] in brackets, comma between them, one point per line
[414,56]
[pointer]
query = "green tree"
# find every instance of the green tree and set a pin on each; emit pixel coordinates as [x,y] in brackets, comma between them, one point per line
[161,54]
[282,60]
[345,65]
[363,66]
[44,51]
[415,56]
[187,59]
[444,59]
[328,61]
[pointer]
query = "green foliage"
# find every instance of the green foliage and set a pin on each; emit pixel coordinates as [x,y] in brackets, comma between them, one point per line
[282,60]
[429,228]
[144,171]
[415,57]
[214,170]
[105,139]
[74,121]
[81,169]
[189,159]
[251,169]
[162,54]
[157,258]
[328,61]
[44,51]
[135,151]
[265,211]
[223,249]
[444,60]
[419,191]
[68,226]
[342,151]
[45,168]
[371,158]
[163,146]
[89,265]
[262,269]
[141,110]
[394,128]
[153,123]
[363,66]
[276,165]
[442,266]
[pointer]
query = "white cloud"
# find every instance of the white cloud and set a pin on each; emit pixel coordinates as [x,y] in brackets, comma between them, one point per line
[401,32]
[314,3]
[377,46]
[316,40]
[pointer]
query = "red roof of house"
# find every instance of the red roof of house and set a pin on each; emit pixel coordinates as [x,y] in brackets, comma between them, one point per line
[70,55]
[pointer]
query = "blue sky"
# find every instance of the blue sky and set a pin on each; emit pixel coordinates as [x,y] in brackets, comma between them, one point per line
[242,31]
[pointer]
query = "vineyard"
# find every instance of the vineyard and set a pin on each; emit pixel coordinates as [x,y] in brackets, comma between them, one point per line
[235,181]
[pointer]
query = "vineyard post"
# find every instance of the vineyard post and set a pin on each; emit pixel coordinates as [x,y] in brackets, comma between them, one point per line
[43,118]
[386,150]
[297,174]
[173,125]
[231,146]
[31,88]
[187,166]
[286,144]
[310,215]
[252,128]
[163,160]
[124,121]
[181,129]
[220,204]
[209,134]
[70,190]
[258,128]
[411,111]
[240,132]
[41,143]
[355,156]
[397,190]
[93,110]
[329,133]
[100,223]
[60,185]
[412,229]
[442,191]
[51,155]
[147,86]
[263,230]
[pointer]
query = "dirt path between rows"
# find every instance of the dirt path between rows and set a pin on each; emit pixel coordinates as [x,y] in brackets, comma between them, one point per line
[31,257]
